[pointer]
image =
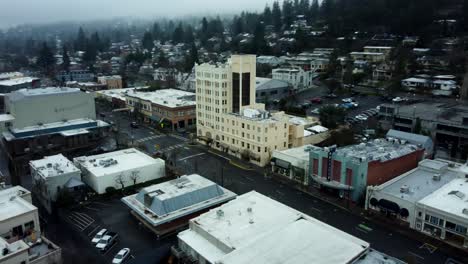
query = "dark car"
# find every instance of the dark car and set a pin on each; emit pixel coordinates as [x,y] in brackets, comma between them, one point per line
[102,114]
[134,125]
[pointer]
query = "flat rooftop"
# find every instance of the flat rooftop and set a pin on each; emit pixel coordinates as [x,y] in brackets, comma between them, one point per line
[55,127]
[12,205]
[301,152]
[116,93]
[452,199]
[433,112]
[9,75]
[247,230]
[52,166]
[17,81]
[116,162]
[378,149]
[170,200]
[167,97]
[420,180]
[25,93]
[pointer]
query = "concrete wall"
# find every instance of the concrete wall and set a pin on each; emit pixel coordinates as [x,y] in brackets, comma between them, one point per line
[51,108]
[7,225]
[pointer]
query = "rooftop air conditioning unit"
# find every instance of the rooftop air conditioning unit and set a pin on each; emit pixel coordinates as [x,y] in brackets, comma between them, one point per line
[436,177]
[404,189]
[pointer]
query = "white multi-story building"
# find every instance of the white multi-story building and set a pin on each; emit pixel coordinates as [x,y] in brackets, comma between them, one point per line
[52,174]
[296,76]
[254,228]
[18,217]
[119,169]
[229,119]
[431,198]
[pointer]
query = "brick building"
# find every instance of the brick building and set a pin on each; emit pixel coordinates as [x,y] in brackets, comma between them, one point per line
[353,168]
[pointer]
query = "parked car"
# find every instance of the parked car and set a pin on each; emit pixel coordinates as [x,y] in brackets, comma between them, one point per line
[121,256]
[306,105]
[316,100]
[134,125]
[316,111]
[399,99]
[99,235]
[332,95]
[102,114]
[347,100]
[362,117]
[107,241]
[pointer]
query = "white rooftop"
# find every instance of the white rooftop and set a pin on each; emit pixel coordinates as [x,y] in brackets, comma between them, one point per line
[9,75]
[452,199]
[20,94]
[167,97]
[52,166]
[11,203]
[419,181]
[117,93]
[17,81]
[249,228]
[115,162]
[179,197]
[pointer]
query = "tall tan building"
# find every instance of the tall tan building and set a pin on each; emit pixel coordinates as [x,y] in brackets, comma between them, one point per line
[228,118]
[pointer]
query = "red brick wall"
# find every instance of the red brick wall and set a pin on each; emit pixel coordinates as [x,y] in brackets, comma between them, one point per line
[380,172]
[315,167]
[349,176]
[324,167]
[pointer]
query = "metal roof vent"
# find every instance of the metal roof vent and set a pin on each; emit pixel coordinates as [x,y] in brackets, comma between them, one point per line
[465,211]
[436,177]
[219,213]
[249,209]
[404,189]
[251,221]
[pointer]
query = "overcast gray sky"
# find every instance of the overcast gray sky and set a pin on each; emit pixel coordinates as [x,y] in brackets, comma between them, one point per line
[42,11]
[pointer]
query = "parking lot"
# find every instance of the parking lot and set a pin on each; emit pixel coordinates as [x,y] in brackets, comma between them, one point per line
[114,216]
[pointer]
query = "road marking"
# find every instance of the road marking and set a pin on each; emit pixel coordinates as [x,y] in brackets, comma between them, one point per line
[316,209]
[280,193]
[216,154]
[109,249]
[94,230]
[241,182]
[247,178]
[148,138]
[362,230]
[364,227]
[416,255]
[189,157]
[429,247]
[90,208]
[179,137]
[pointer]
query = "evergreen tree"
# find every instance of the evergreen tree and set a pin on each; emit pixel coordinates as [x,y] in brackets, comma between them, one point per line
[259,43]
[237,26]
[188,35]
[178,34]
[314,11]
[46,59]
[288,13]
[80,42]
[66,59]
[96,41]
[276,13]
[301,40]
[89,57]
[191,59]
[156,31]
[162,60]
[147,41]
[267,16]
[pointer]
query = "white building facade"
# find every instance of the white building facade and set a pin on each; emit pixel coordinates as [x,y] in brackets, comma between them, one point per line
[119,169]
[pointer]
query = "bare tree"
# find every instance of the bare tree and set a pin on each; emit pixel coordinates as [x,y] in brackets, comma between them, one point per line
[120,180]
[134,176]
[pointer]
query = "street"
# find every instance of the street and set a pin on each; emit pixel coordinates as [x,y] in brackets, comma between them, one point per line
[240,178]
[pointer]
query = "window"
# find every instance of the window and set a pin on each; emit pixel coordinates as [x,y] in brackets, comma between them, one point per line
[258,149]
[242,125]
[284,145]
[29,225]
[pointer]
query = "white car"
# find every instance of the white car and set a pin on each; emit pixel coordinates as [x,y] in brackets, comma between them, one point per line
[120,257]
[362,117]
[347,100]
[99,235]
[399,99]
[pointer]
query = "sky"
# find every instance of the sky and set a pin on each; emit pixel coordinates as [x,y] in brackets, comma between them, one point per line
[44,11]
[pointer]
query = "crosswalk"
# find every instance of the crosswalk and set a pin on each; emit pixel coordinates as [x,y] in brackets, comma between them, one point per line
[148,138]
[173,147]
[179,137]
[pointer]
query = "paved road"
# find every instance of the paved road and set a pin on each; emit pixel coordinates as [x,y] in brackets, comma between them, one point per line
[242,178]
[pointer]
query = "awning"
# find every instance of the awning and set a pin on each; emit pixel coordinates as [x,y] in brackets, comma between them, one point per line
[283,164]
